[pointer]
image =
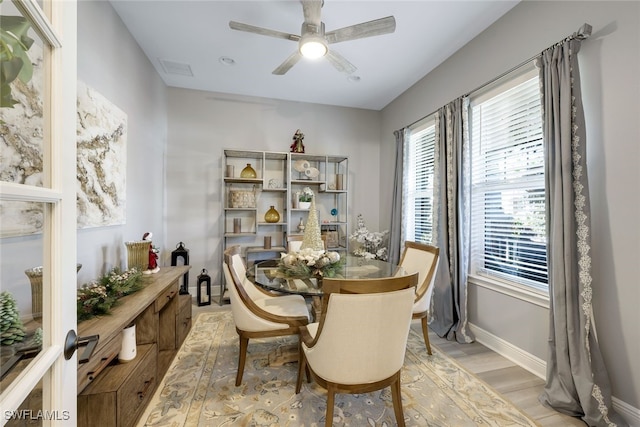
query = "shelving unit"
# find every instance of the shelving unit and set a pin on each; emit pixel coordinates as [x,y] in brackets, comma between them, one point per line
[276,183]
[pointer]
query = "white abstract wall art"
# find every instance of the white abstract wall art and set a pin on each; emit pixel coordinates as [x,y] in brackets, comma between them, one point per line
[102,160]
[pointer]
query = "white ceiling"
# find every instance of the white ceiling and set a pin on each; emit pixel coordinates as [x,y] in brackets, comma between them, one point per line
[197,34]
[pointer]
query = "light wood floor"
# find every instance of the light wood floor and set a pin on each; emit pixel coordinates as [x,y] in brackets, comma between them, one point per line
[514,383]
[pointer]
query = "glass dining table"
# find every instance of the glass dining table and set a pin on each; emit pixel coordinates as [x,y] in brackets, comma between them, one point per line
[266,275]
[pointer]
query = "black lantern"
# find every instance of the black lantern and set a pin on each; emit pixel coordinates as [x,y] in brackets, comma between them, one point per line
[182,252]
[204,295]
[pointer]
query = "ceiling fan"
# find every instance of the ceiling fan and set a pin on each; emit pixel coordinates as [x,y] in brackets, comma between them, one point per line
[313,42]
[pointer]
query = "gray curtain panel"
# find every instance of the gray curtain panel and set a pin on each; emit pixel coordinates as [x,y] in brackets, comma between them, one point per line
[395,230]
[448,314]
[577,380]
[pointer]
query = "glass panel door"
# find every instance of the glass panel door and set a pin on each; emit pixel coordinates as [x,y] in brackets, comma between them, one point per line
[37,196]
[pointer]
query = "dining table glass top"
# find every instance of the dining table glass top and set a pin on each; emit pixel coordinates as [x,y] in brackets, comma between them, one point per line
[267,275]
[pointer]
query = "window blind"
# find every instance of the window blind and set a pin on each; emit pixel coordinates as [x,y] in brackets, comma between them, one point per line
[418,195]
[508,236]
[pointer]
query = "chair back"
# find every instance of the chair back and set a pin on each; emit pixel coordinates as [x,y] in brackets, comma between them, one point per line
[368,286]
[423,259]
[247,315]
[362,337]
[238,272]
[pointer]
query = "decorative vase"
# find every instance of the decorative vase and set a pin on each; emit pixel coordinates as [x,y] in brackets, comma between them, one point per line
[304,205]
[272,215]
[128,349]
[138,254]
[248,172]
[35,278]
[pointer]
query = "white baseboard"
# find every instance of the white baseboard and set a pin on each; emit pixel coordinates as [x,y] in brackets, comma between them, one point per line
[628,412]
[531,363]
[538,367]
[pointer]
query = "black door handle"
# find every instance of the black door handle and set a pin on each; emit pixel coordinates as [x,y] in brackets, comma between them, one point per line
[73,342]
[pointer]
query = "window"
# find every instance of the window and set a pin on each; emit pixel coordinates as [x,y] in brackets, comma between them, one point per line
[418,183]
[508,238]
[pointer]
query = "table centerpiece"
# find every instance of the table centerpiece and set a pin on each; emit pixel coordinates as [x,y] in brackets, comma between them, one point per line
[308,262]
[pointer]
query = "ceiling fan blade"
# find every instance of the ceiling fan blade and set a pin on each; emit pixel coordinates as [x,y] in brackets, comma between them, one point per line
[366,29]
[339,62]
[287,64]
[311,10]
[262,31]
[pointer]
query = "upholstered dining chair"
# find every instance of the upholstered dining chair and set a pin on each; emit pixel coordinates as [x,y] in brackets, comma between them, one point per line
[294,242]
[256,313]
[423,259]
[359,344]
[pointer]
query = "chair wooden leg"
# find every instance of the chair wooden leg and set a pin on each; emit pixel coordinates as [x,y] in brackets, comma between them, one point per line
[396,397]
[242,357]
[425,333]
[331,393]
[302,364]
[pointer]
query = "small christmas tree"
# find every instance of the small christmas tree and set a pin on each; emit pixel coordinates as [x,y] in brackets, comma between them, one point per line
[11,327]
[312,237]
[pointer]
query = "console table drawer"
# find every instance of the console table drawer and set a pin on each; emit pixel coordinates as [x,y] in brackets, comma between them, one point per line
[121,392]
[166,296]
[137,390]
[183,320]
[87,372]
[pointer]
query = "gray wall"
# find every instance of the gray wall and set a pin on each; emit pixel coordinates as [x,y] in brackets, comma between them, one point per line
[610,66]
[111,62]
[202,124]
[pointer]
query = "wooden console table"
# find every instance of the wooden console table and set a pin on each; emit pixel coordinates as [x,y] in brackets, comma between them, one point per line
[115,394]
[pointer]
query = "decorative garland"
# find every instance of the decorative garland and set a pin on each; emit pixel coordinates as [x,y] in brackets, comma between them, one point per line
[98,297]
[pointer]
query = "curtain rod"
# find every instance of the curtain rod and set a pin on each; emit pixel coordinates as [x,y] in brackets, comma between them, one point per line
[582,34]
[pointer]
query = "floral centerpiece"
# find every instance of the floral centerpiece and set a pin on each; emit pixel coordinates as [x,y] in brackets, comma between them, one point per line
[99,296]
[370,244]
[309,263]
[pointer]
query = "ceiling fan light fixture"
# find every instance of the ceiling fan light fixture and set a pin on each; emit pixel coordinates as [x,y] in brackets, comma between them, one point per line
[313,47]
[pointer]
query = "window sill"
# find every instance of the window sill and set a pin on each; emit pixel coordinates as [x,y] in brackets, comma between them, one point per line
[520,292]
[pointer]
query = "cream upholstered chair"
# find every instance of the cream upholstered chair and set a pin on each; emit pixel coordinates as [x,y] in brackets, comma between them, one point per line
[294,242]
[423,259]
[258,314]
[359,344]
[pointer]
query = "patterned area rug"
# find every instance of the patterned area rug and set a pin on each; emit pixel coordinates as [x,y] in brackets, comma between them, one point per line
[199,389]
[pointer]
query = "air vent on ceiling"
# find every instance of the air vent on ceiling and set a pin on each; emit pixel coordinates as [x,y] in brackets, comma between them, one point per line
[176,68]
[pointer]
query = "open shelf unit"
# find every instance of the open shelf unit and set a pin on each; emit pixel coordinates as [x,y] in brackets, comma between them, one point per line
[279,176]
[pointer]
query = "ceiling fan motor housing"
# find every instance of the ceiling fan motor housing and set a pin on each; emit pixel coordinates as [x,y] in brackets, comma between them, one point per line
[312,42]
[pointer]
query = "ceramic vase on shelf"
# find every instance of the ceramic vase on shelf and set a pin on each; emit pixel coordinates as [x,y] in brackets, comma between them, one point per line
[272,215]
[248,172]
[304,205]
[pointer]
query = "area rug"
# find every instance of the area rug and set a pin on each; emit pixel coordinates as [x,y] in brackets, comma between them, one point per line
[199,389]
